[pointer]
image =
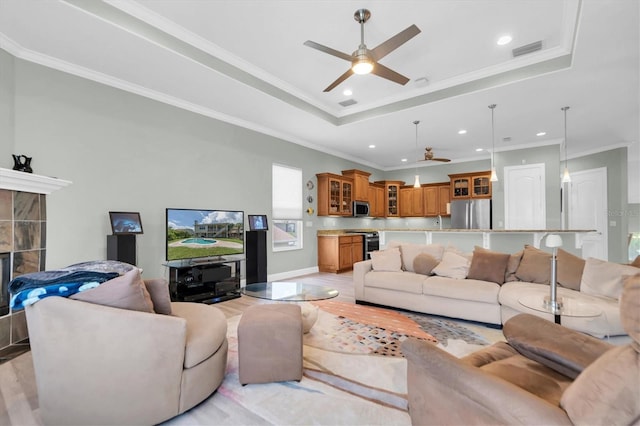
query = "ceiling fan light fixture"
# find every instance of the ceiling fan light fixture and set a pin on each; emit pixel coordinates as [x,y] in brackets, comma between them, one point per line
[362,64]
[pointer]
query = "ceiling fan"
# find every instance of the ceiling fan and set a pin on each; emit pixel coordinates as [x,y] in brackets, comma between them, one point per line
[428,156]
[364,60]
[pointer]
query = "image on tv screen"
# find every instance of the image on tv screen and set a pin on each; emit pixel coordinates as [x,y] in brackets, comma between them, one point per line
[125,223]
[195,234]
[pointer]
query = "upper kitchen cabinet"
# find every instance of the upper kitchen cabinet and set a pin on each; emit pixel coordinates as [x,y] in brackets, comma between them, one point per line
[376,200]
[335,195]
[436,196]
[391,197]
[471,185]
[360,184]
[411,202]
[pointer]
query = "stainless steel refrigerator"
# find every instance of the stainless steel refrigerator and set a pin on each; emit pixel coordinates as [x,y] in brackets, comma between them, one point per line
[471,214]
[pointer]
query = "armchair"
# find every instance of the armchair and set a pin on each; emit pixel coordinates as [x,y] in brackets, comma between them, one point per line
[97,364]
[544,374]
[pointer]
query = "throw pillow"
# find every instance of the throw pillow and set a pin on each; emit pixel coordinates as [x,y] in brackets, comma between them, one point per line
[570,269]
[535,266]
[602,278]
[126,292]
[386,260]
[409,252]
[512,266]
[453,265]
[158,289]
[424,264]
[487,265]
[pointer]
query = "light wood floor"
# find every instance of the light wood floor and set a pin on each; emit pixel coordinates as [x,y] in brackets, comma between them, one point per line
[18,396]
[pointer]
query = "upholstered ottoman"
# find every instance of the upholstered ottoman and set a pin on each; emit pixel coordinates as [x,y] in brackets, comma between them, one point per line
[270,344]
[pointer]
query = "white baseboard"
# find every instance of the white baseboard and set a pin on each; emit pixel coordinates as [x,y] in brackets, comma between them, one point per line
[290,274]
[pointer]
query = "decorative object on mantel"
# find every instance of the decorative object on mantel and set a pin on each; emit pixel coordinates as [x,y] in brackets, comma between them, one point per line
[551,302]
[494,175]
[22,163]
[566,178]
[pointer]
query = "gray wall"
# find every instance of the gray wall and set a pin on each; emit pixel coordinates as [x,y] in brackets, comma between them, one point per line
[6,109]
[127,153]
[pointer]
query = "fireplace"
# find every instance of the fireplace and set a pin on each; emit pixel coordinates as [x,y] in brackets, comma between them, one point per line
[5,273]
[23,221]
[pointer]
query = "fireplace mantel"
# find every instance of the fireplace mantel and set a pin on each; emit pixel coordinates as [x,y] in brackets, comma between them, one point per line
[28,182]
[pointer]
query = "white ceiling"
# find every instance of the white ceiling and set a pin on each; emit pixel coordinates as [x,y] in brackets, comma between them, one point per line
[243,61]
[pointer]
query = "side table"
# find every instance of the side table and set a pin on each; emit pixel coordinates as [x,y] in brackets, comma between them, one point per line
[570,307]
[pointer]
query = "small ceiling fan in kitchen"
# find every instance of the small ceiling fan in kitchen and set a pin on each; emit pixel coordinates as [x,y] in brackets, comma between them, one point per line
[429,156]
[364,60]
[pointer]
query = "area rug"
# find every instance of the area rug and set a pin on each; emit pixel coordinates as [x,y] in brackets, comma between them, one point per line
[354,371]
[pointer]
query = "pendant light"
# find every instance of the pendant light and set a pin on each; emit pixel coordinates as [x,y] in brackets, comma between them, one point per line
[566,178]
[494,175]
[416,182]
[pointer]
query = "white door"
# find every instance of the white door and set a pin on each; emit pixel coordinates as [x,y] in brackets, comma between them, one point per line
[524,197]
[587,209]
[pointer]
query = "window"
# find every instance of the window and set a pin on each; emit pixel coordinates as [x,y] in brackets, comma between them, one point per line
[287,208]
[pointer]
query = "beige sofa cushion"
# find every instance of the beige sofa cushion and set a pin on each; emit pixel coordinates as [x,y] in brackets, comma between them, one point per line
[512,266]
[535,266]
[453,265]
[398,281]
[570,269]
[487,265]
[125,292]
[602,278]
[472,290]
[409,252]
[386,260]
[158,289]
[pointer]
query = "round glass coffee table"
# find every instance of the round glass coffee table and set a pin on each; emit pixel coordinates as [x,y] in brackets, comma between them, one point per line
[288,291]
[570,307]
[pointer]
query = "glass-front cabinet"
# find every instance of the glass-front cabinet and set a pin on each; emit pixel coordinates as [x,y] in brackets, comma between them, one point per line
[391,197]
[335,195]
[471,185]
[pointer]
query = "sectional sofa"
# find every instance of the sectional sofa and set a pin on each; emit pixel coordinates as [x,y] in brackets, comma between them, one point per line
[490,287]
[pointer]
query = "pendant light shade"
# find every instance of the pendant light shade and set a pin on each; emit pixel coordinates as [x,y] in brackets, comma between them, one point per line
[494,175]
[566,178]
[416,182]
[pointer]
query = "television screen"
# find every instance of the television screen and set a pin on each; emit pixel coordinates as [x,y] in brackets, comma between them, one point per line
[193,234]
[125,223]
[258,222]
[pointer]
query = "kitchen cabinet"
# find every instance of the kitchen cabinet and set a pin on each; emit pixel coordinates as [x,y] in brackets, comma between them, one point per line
[411,201]
[391,197]
[376,200]
[338,253]
[360,184]
[436,197]
[471,185]
[335,195]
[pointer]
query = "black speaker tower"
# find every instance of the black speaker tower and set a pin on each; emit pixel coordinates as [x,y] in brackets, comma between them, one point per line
[122,248]
[256,257]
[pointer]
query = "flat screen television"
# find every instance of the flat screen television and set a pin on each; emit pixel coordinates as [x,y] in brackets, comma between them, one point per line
[258,222]
[125,223]
[197,234]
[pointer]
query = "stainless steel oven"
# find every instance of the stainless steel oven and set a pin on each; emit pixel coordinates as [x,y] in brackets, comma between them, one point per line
[371,242]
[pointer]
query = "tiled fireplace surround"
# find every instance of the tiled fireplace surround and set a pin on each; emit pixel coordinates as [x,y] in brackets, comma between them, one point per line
[23,221]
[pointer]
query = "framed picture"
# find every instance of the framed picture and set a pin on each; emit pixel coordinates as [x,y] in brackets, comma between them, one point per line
[125,223]
[258,222]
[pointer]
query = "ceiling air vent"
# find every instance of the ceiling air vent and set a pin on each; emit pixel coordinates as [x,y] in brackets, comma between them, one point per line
[348,102]
[527,48]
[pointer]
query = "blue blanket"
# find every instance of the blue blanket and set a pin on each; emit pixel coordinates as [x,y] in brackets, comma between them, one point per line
[29,288]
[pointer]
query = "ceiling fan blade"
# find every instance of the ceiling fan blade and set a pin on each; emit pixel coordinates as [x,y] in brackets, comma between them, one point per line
[340,79]
[384,72]
[328,50]
[394,42]
[444,160]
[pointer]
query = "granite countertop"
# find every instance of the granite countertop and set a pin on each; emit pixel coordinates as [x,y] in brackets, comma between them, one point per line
[330,232]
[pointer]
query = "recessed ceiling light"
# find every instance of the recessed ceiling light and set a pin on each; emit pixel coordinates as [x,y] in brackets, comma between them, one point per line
[479,149]
[372,146]
[404,160]
[347,92]
[462,132]
[505,39]
[541,133]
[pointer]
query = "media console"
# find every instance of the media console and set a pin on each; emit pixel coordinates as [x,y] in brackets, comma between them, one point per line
[212,281]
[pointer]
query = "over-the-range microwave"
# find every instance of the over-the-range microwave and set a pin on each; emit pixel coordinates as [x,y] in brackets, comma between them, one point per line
[360,209]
